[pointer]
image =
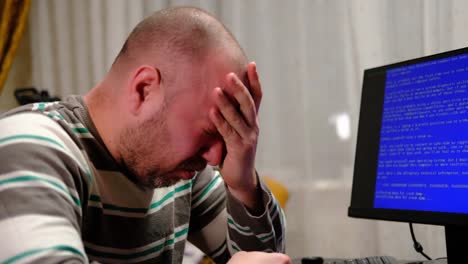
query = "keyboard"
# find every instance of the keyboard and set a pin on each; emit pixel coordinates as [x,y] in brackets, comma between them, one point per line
[365,260]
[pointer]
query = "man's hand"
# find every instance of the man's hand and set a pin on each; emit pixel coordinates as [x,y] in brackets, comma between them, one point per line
[239,128]
[256,257]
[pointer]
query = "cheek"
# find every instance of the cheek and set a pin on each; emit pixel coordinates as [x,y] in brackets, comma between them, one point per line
[185,136]
[187,145]
[184,142]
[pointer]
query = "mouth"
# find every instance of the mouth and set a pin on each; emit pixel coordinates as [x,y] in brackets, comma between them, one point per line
[186,174]
[188,171]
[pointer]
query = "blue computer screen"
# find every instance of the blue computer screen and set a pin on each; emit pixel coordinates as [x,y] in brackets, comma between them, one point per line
[423,151]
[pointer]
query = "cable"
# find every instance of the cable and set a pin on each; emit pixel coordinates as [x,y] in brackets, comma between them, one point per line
[416,244]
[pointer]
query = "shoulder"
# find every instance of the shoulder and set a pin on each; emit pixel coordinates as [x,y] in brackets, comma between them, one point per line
[34,128]
[32,138]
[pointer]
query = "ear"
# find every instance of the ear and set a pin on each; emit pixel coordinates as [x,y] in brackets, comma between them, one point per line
[144,84]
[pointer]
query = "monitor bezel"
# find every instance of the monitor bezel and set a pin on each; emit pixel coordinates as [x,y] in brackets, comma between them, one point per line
[366,154]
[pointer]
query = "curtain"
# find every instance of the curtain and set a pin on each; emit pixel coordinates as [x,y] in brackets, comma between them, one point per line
[311,55]
[14,14]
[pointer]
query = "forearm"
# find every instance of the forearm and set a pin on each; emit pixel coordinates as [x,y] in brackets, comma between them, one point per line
[244,230]
[250,196]
[260,232]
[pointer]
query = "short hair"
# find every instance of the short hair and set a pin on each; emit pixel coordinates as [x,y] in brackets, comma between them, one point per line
[180,32]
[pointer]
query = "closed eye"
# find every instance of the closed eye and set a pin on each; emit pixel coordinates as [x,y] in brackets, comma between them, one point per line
[211,134]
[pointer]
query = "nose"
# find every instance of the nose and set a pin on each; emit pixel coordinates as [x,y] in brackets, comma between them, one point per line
[213,153]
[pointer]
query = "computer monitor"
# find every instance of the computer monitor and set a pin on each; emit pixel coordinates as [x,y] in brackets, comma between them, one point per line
[411,162]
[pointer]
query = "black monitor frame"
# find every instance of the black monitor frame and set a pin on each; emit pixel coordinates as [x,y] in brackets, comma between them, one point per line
[366,160]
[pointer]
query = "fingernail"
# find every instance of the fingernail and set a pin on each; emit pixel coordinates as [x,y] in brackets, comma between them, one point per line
[233,78]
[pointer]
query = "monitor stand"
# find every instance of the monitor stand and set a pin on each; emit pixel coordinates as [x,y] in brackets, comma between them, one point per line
[456,239]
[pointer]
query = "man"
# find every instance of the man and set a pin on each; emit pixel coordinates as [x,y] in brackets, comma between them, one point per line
[121,175]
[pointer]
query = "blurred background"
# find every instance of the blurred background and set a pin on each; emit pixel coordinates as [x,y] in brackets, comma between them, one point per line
[310,55]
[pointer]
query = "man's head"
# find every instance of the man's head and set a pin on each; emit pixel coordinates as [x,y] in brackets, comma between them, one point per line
[159,92]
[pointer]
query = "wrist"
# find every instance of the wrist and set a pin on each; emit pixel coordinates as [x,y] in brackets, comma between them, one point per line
[250,196]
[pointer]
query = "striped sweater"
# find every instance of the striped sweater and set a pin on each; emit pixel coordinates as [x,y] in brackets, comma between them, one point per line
[63,199]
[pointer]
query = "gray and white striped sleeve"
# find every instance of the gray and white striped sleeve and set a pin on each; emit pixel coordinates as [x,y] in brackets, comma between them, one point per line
[221,226]
[42,178]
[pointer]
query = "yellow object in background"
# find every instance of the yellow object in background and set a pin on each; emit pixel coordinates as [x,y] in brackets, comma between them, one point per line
[278,189]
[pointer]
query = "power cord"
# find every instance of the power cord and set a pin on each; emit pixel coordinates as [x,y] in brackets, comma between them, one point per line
[417,246]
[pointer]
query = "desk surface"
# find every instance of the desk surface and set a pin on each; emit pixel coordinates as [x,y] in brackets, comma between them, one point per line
[330,260]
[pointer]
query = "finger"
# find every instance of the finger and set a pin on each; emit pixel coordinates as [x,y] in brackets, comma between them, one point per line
[237,90]
[230,113]
[255,86]
[227,132]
